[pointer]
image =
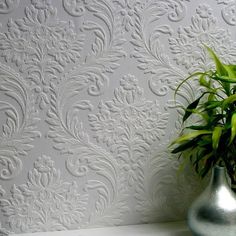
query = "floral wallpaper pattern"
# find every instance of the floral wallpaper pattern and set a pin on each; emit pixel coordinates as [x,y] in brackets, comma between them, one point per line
[87,108]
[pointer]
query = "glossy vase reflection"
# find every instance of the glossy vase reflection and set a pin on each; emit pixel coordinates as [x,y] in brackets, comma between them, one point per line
[213,213]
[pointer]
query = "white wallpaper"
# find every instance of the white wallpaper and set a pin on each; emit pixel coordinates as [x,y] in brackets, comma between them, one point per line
[87,108]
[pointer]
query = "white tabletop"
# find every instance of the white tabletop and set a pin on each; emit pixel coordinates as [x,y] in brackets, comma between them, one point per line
[163,229]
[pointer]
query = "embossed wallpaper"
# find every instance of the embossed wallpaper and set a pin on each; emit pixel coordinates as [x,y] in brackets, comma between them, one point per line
[87,108]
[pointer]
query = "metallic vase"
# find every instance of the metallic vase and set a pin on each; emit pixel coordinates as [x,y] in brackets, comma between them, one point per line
[213,213]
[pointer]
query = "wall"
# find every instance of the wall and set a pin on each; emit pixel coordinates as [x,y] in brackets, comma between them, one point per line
[87,108]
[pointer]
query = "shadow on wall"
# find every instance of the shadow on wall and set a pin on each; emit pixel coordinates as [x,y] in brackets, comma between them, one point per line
[182,233]
[179,233]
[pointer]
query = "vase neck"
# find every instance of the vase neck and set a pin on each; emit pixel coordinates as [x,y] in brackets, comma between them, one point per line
[218,177]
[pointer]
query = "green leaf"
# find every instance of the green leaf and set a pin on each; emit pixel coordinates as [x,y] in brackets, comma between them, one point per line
[219,65]
[233,128]
[202,159]
[228,101]
[213,137]
[203,81]
[215,119]
[221,70]
[188,144]
[189,110]
[212,104]
[216,136]
[197,127]
[231,69]
[225,79]
[207,166]
[202,154]
[203,115]
[206,142]
[191,135]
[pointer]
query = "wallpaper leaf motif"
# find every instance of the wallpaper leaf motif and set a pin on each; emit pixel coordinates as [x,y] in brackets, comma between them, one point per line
[7,6]
[174,9]
[153,210]
[84,156]
[149,51]
[45,202]
[107,47]
[106,50]
[111,205]
[19,126]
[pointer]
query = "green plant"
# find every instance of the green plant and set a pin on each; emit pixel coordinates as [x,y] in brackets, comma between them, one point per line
[211,141]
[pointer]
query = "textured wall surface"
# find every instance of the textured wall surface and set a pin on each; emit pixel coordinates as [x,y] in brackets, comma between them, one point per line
[87,109]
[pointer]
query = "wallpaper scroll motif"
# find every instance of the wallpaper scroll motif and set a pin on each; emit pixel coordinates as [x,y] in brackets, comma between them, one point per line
[7,6]
[148,49]
[228,11]
[73,7]
[19,127]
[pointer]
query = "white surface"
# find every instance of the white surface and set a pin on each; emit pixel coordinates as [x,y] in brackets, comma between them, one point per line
[164,229]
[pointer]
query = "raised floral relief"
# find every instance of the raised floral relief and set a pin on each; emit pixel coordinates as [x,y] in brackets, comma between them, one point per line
[126,10]
[106,49]
[18,121]
[228,11]
[174,9]
[103,130]
[45,202]
[128,125]
[86,160]
[188,47]
[45,48]
[7,6]
[74,7]
[148,49]
[41,4]
[3,230]
[41,46]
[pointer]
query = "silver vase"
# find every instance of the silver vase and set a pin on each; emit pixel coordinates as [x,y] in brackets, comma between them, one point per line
[213,213]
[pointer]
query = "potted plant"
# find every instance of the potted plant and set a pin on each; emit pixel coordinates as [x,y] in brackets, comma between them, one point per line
[212,140]
[210,144]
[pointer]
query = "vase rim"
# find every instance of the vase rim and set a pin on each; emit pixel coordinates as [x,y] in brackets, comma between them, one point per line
[219,167]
